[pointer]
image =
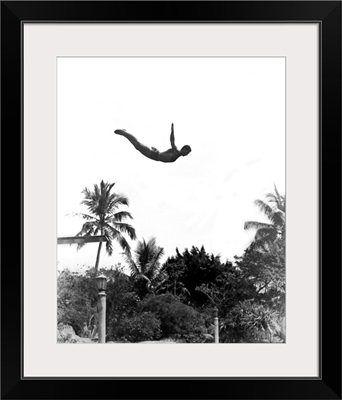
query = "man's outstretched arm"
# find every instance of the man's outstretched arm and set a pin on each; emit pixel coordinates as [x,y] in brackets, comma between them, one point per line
[172,138]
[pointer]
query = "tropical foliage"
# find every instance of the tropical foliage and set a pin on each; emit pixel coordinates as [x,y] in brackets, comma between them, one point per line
[76,299]
[177,320]
[139,327]
[250,321]
[145,266]
[105,219]
[185,272]
[151,300]
[269,232]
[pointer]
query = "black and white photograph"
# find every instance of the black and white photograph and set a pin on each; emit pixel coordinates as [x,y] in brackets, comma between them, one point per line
[171,200]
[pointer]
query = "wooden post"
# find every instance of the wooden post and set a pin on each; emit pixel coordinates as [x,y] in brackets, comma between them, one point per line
[101,281]
[80,239]
[216,324]
[102,316]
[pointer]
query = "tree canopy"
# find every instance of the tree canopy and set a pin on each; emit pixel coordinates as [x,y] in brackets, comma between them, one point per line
[147,300]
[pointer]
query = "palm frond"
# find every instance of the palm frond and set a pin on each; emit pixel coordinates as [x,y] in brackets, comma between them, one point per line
[97,192]
[144,252]
[131,264]
[264,207]
[116,201]
[79,246]
[153,266]
[125,228]
[152,243]
[142,277]
[276,199]
[87,229]
[276,192]
[87,194]
[106,187]
[119,216]
[86,216]
[159,254]
[256,225]
[124,244]
[116,234]
[109,242]
[92,206]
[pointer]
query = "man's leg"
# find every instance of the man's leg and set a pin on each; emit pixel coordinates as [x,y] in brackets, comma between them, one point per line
[128,136]
[146,151]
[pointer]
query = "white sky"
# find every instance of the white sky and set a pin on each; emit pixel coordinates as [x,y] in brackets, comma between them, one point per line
[231,111]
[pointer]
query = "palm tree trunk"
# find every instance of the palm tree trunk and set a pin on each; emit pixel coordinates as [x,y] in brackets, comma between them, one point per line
[97,259]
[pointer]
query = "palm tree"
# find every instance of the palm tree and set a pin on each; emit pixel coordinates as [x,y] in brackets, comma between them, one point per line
[105,219]
[145,268]
[269,232]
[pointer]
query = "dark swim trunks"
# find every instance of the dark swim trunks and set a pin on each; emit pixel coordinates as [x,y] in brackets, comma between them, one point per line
[154,154]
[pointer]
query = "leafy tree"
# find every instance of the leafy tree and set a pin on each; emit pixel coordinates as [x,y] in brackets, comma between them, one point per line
[76,297]
[122,302]
[77,300]
[145,267]
[263,265]
[190,270]
[269,232]
[104,218]
[266,270]
[173,271]
[230,286]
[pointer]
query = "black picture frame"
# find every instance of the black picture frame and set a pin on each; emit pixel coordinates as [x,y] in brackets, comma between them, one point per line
[328,384]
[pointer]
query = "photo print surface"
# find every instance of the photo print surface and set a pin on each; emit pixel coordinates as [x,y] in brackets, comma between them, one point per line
[171,200]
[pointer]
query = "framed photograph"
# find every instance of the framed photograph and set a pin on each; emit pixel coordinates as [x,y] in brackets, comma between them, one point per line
[170,224]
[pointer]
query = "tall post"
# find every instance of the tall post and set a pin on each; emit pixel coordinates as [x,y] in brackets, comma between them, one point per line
[102,316]
[216,325]
[101,285]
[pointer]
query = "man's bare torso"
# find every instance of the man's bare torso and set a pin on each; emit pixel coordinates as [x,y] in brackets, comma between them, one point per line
[169,155]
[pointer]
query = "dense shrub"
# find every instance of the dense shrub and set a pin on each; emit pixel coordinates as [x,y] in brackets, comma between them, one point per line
[144,326]
[177,319]
[119,313]
[250,322]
